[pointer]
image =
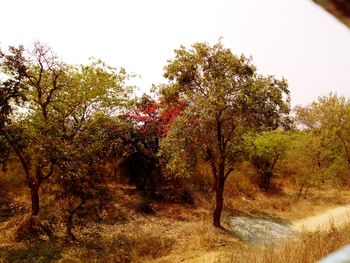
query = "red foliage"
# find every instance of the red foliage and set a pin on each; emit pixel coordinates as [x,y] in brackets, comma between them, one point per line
[155,117]
[169,114]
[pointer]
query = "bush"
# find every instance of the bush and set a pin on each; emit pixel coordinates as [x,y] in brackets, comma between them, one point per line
[32,228]
[144,207]
[42,252]
[149,245]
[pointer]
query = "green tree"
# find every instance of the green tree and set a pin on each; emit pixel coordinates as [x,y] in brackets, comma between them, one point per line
[225,99]
[61,99]
[329,119]
[80,164]
[11,91]
[38,74]
[311,160]
[264,151]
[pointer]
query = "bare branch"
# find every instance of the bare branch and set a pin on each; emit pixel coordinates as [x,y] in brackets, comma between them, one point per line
[228,173]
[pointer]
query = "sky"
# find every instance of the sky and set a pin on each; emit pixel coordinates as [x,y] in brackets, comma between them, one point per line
[294,39]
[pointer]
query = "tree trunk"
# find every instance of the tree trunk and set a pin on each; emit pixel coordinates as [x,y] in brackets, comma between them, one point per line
[69,225]
[307,187]
[302,187]
[34,193]
[264,183]
[268,179]
[219,194]
[267,182]
[261,180]
[219,206]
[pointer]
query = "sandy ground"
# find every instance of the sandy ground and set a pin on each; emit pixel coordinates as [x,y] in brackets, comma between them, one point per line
[324,220]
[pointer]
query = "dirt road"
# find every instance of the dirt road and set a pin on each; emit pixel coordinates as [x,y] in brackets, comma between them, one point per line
[257,230]
[323,221]
[260,231]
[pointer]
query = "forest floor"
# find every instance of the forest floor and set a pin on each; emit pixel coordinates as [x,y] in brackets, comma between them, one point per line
[174,232]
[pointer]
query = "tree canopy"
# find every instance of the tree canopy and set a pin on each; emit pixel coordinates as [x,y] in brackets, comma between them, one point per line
[225,99]
[51,136]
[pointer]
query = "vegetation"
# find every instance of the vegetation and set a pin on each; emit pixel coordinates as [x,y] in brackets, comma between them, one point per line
[126,178]
[309,247]
[265,150]
[225,99]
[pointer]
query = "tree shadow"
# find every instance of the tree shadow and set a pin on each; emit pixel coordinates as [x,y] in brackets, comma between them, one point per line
[258,227]
[31,252]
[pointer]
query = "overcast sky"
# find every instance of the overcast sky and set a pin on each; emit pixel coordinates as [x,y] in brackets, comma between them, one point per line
[291,38]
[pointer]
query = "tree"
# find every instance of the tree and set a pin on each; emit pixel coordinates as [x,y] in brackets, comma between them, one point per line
[141,162]
[11,91]
[85,138]
[265,150]
[329,119]
[151,120]
[80,163]
[225,99]
[316,159]
[38,75]
[61,99]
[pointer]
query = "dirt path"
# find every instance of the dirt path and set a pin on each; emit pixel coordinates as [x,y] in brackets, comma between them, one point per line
[323,221]
[260,230]
[257,230]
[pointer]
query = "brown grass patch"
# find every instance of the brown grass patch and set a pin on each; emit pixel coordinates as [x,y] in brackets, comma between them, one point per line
[307,248]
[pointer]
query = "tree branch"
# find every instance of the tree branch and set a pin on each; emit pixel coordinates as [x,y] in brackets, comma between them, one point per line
[228,173]
[20,155]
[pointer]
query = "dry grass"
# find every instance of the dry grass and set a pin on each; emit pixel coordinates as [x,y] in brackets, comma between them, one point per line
[200,235]
[176,232]
[285,205]
[110,243]
[308,248]
[242,194]
[150,245]
[195,239]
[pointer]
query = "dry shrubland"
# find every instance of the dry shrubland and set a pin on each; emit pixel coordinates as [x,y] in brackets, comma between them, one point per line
[179,229]
[111,176]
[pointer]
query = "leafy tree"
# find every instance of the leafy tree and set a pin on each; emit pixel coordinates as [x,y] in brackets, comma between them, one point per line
[141,162]
[37,74]
[80,163]
[10,91]
[61,99]
[311,160]
[329,119]
[150,120]
[225,99]
[10,88]
[86,137]
[265,150]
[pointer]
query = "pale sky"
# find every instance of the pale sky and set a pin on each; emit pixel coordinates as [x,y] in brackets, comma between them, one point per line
[295,39]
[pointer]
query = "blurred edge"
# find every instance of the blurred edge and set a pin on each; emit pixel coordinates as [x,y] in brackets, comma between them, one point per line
[340,256]
[339,8]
